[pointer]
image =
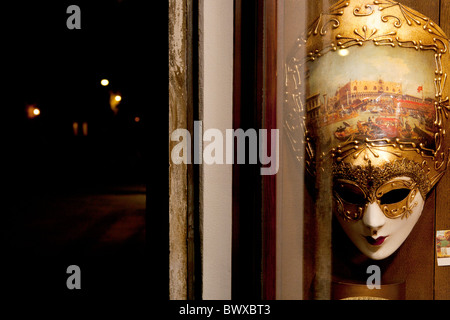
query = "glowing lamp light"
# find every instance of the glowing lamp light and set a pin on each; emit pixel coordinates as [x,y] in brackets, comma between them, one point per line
[114,101]
[343,52]
[104,82]
[32,111]
[137,119]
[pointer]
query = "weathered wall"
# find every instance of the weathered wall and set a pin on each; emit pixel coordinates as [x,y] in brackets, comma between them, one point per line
[177,173]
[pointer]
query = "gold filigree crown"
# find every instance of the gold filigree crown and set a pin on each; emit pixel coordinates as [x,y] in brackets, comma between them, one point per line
[371,178]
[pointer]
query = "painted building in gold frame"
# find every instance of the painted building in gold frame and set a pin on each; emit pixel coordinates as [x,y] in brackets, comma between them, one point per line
[363,89]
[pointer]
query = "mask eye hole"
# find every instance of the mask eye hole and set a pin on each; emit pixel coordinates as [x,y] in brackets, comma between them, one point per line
[394,196]
[350,193]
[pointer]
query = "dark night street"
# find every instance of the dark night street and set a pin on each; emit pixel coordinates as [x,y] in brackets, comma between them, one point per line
[101,230]
[77,108]
[103,222]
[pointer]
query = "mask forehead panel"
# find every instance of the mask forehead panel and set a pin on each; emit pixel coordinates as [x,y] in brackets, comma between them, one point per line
[368,83]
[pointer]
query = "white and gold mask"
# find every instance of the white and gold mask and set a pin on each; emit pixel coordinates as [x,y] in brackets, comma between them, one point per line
[367,86]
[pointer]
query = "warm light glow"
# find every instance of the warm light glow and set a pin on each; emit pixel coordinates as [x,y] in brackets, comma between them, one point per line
[114,101]
[343,52]
[32,111]
[137,119]
[104,82]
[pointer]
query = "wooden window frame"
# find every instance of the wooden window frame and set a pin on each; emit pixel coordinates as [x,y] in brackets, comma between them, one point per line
[254,107]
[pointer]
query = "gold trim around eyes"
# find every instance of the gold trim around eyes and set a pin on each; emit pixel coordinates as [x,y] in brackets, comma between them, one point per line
[354,212]
[340,182]
[348,211]
[370,178]
[393,185]
[401,209]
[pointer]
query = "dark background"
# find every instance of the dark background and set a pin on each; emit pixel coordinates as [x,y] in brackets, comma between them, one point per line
[52,177]
[60,70]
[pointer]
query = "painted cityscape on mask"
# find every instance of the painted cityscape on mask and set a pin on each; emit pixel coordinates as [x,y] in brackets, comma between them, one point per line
[372,93]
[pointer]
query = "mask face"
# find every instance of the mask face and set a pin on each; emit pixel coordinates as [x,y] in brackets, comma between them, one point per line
[378,221]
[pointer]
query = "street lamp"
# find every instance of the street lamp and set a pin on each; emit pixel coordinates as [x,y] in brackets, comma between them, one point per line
[114,100]
[32,111]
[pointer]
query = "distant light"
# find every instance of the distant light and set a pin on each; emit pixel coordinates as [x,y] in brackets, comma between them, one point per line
[137,119]
[343,52]
[32,111]
[114,101]
[84,127]
[104,82]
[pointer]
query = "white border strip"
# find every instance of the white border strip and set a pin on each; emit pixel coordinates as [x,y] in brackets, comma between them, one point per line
[216,27]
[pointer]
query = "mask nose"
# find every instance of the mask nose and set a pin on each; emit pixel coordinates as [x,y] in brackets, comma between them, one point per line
[373,218]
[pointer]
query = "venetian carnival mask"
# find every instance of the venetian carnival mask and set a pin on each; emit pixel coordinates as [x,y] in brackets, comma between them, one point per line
[367,86]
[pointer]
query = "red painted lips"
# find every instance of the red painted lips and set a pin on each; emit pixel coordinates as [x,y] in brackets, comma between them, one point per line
[376,242]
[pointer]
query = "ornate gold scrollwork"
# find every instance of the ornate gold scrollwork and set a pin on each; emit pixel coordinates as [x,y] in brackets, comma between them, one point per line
[320,24]
[370,178]
[398,23]
[409,15]
[358,12]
